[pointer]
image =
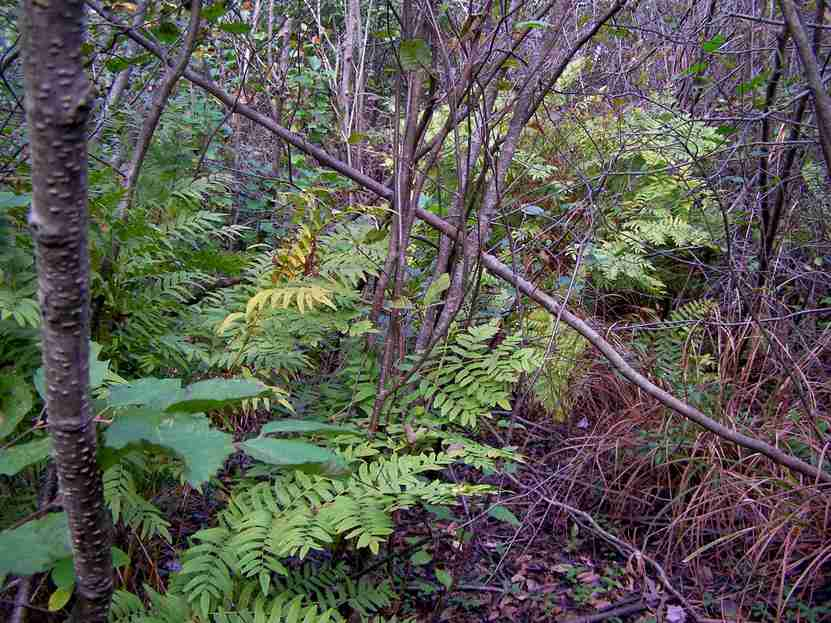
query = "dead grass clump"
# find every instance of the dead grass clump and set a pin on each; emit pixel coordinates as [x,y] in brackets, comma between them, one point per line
[738,532]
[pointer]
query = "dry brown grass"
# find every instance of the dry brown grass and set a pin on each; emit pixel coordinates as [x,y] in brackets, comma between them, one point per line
[727,524]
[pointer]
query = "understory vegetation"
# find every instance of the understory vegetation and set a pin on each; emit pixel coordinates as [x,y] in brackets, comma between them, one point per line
[416,311]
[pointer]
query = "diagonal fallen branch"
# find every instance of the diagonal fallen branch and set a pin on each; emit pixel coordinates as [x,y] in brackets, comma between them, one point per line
[495,267]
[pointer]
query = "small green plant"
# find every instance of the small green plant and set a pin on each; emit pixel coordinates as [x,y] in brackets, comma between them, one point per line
[470,376]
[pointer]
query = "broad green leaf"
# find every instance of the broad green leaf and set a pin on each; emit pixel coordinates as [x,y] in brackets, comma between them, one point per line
[436,288]
[215,394]
[421,557]
[202,448]
[14,459]
[120,63]
[415,54]
[15,402]
[35,546]
[500,513]
[710,46]
[168,394]
[753,84]
[63,573]
[157,393]
[117,64]
[215,11]
[98,370]
[441,513]
[445,578]
[697,68]
[375,235]
[11,200]
[306,427]
[291,453]
[236,28]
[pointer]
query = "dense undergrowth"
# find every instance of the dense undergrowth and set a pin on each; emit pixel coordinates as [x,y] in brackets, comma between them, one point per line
[236,370]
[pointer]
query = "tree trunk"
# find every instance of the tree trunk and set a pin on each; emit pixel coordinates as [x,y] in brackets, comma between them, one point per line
[58,99]
[346,88]
[171,77]
[279,74]
[121,82]
[822,101]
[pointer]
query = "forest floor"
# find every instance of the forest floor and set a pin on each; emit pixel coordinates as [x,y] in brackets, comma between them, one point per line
[515,556]
[532,563]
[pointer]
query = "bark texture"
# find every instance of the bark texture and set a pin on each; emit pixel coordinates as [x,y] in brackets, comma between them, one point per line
[58,98]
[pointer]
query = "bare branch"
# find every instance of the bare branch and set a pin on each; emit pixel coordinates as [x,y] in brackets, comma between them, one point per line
[149,128]
[822,101]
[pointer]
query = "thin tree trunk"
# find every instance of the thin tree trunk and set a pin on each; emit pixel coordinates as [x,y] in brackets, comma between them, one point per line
[58,98]
[122,80]
[169,81]
[764,192]
[771,219]
[822,101]
[281,73]
[395,267]
[346,87]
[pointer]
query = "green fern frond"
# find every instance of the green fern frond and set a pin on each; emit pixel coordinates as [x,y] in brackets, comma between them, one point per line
[351,252]
[332,587]
[126,607]
[208,568]
[678,347]
[278,610]
[470,378]
[129,507]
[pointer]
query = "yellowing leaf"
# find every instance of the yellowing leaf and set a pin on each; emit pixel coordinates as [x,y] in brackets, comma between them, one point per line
[401,303]
[59,599]
[229,321]
[129,7]
[304,297]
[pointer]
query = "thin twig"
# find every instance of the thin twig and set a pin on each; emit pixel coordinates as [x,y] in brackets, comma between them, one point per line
[618,611]
[628,548]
